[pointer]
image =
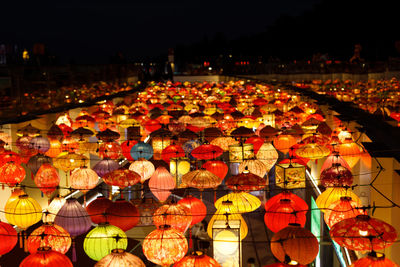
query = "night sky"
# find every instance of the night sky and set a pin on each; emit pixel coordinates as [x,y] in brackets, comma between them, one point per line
[91,31]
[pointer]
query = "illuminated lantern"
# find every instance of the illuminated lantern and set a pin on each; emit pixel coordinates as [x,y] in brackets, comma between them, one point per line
[9,238]
[141,150]
[64,119]
[240,152]
[245,181]
[47,179]
[105,166]
[122,214]
[198,259]
[269,119]
[11,174]
[333,194]
[161,183]
[146,207]
[101,240]
[52,210]
[336,175]
[342,209]
[8,156]
[290,175]
[280,214]
[159,143]
[111,150]
[207,152]
[55,148]
[224,142]
[84,179]
[120,258]
[97,209]
[142,167]
[36,161]
[374,259]
[165,246]
[257,143]
[284,195]
[268,155]
[284,142]
[40,143]
[23,212]
[312,151]
[216,167]
[196,207]
[44,257]
[152,125]
[179,167]
[126,148]
[281,264]
[70,161]
[201,179]
[363,233]
[177,216]
[172,151]
[350,152]
[69,144]
[49,235]
[332,159]
[296,243]
[254,166]
[121,178]
[242,201]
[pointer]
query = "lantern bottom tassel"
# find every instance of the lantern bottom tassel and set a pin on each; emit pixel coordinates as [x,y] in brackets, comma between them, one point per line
[190,238]
[25,244]
[73,251]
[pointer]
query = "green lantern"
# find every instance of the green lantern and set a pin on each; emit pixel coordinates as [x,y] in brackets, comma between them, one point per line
[103,239]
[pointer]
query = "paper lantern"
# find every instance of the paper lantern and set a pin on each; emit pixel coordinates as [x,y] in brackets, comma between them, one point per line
[36,161]
[332,159]
[242,201]
[177,216]
[296,243]
[216,167]
[336,175]
[49,235]
[141,150]
[350,152]
[268,155]
[121,178]
[47,179]
[152,125]
[284,195]
[55,148]
[312,151]
[97,209]
[70,161]
[101,240]
[120,258]
[280,214]
[201,179]
[281,264]
[9,238]
[108,136]
[105,166]
[225,242]
[110,150]
[333,194]
[196,207]
[245,181]
[284,142]
[172,151]
[257,143]
[363,233]
[207,152]
[126,148]
[122,214]
[224,142]
[84,179]
[290,175]
[23,212]
[197,259]
[8,156]
[165,246]
[161,183]
[11,174]
[240,152]
[179,167]
[52,210]
[374,259]
[254,166]
[44,257]
[342,209]
[69,145]
[189,146]
[142,167]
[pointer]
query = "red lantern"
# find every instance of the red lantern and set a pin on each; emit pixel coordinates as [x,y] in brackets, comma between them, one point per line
[342,209]
[11,173]
[172,151]
[207,152]
[49,235]
[284,195]
[8,156]
[196,207]
[47,178]
[127,147]
[284,142]
[9,238]
[245,181]
[97,208]
[332,159]
[256,141]
[121,178]
[197,259]
[152,125]
[336,175]
[45,256]
[374,260]
[177,216]
[111,150]
[284,265]
[217,167]
[123,214]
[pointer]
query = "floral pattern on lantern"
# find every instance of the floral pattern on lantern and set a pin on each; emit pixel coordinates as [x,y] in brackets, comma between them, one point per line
[342,209]
[121,178]
[49,235]
[177,216]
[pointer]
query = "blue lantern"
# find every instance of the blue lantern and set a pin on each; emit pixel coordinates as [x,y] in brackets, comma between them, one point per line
[142,150]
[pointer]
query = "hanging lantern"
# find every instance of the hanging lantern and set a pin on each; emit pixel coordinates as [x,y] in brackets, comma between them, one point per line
[52,210]
[36,161]
[257,143]
[84,179]
[254,166]
[101,240]
[284,142]
[152,125]
[296,243]
[11,174]
[269,119]
[110,150]
[172,151]
[23,212]
[55,148]
[142,167]
[280,214]
[165,246]
[47,179]
[70,145]
[108,136]
[240,152]
[268,155]
[342,209]
[201,179]
[350,152]
[9,238]
[332,159]
[363,233]
[121,178]
[122,214]
[374,259]
[49,235]
[312,151]
[161,183]
[97,209]
[179,167]
[142,150]
[217,167]
[333,194]
[245,181]
[242,201]
[196,207]
[120,258]
[281,264]
[284,195]
[189,146]
[126,148]
[198,259]
[336,175]
[70,161]
[206,152]
[290,175]
[40,143]
[177,216]
[45,256]
[147,207]
[105,166]
[159,143]
[8,156]
[224,142]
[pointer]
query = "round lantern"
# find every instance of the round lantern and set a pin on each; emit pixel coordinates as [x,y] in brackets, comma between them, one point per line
[172,151]
[257,143]
[284,195]
[101,240]
[284,142]
[374,259]
[216,167]
[49,235]
[126,147]
[37,161]
[224,142]
[11,173]
[296,243]
[201,179]
[207,152]
[105,166]
[177,216]
[189,146]
[342,209]
[122,214]
[97,209]
[245,181]
[197,259]
[70,161]
[121,178]
[242,201]
[47,179]
[142,167]
[350,152]
[165,246]
[161,183]
[268,155]
[52,210]
[9,238]
[312,151]
[225,242]
[8,156]
[254,166]
[336,175]
[363,233]
[333,194]
[196,207]
[333,159]
[141,150]
[84,179]
[55,148]
[23,212]
[120,258]
[110,150]
[44,257]
[40,143]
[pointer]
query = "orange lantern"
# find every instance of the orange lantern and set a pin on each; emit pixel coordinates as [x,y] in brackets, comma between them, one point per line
[84,179]
[178,216]
[196,207]
[374,259]
[161,183]
[350,151]
[284,142]
[47,179]
[11,173]
[45,256]
[97,209]
[55,148]
[121,178]
[49,235]
[342,209]
[197,259]
[201,179]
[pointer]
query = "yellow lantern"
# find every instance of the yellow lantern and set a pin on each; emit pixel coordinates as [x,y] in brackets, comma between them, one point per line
[242,201]
[159,143]
[313,151]
[269,119]
[333,194]
[247,122]
[290,175]
[179,167]
[268,155]
[224,142]
[239,152]
[23,211]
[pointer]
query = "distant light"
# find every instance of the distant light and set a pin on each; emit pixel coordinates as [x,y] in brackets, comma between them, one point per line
[209,68]
[230,55]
